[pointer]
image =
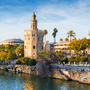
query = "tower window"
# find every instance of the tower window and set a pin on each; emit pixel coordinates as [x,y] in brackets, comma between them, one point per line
[33,47]
[28,38]
[33,35]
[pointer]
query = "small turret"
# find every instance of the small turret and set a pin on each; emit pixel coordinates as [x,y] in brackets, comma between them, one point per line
[33,16]
[33,22]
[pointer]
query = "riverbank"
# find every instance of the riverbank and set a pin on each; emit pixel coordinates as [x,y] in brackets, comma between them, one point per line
[42,71]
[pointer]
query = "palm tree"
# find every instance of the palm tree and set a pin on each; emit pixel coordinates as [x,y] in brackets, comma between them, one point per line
[45,32]
[60,39]
[55,30]
[89,33]
[66,39]
[71,34]
[54,35]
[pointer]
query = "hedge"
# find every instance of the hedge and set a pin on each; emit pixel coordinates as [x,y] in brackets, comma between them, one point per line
[64,59]
[78,59]
[26,61]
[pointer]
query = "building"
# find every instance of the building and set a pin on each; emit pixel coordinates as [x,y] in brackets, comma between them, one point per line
[61,46]
[51,46]
[46,46]
[33,40]
[13,41]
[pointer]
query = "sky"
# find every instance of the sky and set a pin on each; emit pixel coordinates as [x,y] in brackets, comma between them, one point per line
[65,15]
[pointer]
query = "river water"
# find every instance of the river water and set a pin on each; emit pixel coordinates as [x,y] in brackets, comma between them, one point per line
[17,81]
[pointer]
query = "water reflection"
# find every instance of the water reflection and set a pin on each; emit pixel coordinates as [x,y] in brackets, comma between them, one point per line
[15,81]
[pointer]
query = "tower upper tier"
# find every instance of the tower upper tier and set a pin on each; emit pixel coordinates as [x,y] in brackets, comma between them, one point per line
[33,22]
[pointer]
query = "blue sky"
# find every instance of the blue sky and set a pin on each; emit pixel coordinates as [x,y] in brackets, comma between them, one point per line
[65,15]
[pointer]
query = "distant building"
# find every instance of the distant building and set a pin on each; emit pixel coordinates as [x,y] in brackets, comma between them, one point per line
[51,46]
[46,46]
[13,41]
[33,40]
[62,46]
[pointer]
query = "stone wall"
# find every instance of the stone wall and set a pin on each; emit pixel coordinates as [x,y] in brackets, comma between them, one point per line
[83,77]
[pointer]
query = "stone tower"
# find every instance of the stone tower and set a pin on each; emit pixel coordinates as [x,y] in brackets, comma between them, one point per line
[33,40]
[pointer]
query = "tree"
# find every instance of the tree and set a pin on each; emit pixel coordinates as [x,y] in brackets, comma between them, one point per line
[20,50]
[55,30]
[71,34]
[45,32]
[11,56]
[2,48]
[89,33]
[61,39]
[66,39]
[54,34]
[78,45]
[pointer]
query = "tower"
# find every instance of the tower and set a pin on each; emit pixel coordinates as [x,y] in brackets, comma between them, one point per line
[33,40]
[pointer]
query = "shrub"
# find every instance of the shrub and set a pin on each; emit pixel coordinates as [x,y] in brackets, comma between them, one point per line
[32,62]
[64,59]
[77,59]
[83,59]
[71,59]
[26,60]
[22,60]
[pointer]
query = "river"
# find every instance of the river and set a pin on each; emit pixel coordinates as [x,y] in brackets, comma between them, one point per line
[17,81]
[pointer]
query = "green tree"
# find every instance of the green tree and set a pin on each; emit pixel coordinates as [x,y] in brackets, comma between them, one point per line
[54,34]
[78,45]
[20,50]
[71,34]
[55,30]
[3,56]
[11,56]
[2,48]
[45,32]
[66,39]
[60,39]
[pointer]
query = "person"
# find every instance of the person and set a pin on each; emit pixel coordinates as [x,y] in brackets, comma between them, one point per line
[83,70]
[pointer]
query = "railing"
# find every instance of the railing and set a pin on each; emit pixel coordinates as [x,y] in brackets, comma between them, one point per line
[79,63]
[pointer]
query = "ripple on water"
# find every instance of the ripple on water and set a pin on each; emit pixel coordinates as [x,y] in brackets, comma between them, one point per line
[15,81]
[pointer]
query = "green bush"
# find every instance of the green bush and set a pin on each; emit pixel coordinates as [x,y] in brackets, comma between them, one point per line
[64,59]
[77,59]
[32,62]
[26,61]
[71,59]
[83,59]
[20,61]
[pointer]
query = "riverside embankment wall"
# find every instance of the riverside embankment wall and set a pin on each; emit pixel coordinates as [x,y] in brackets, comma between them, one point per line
[83,77]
